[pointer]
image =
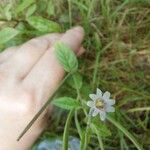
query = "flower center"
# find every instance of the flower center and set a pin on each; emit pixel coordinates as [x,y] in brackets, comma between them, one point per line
[99,104]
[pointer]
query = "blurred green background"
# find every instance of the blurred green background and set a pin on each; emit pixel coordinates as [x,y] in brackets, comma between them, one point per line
[117,59]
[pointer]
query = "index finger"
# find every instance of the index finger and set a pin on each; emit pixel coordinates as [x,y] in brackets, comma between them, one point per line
[46,75]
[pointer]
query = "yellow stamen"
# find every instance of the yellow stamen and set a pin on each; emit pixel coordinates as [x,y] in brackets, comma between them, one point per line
[99,104]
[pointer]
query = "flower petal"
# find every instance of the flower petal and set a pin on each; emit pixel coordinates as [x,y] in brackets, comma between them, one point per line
[93,97]
[95,112]
[91,111]
[110,101]
[99,92]
[110,109]
[102,115]
[90,103]
[106,95]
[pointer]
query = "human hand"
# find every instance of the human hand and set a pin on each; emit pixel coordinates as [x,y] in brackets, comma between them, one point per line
[29,75]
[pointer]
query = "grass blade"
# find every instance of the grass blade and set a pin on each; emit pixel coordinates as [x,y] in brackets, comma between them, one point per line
[126,132]
[66,130]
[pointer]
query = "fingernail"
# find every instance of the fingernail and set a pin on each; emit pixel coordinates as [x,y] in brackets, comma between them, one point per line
[78,29]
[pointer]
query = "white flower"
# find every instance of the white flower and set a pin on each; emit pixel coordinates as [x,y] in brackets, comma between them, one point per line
[101,104]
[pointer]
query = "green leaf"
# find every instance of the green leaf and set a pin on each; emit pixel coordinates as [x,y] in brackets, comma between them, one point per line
[31,10]
[99,126]
[66,57]
[77,83]
[7,11]
[66,103]
[85,90]
[23,5]
[43,25]
[7,33]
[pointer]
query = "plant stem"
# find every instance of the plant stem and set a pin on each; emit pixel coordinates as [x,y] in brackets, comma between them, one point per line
[70,13]
[87,136]
[78,125]
[78,94]
[76,121]
[41,110]
[98,46]
[96,67]
[66,130]
[99,139]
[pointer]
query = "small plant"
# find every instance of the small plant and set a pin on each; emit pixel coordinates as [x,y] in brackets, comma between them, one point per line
[101,104]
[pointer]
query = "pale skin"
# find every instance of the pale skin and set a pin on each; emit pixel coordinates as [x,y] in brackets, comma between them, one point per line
[29,75]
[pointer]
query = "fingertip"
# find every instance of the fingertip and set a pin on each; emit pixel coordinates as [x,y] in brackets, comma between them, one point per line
[73,38]
[78,29]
